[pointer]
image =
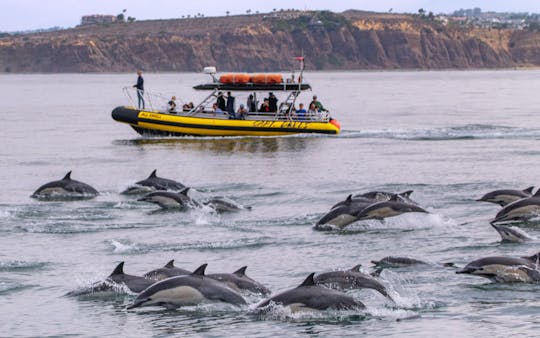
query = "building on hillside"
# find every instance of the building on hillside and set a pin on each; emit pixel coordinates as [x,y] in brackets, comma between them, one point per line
[96,19]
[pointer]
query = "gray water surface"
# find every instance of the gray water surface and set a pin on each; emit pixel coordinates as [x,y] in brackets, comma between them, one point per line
[449,136]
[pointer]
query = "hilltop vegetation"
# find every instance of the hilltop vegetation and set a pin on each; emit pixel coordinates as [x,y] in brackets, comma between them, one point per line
[267,42]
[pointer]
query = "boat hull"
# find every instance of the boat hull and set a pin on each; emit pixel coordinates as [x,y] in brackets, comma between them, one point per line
[155,123]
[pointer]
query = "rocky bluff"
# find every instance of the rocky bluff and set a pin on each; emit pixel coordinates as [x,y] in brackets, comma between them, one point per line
[349,40]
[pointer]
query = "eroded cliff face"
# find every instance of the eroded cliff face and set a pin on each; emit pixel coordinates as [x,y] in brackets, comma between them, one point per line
[352,40]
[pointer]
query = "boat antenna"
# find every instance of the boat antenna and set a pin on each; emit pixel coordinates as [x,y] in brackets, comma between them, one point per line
[302,66]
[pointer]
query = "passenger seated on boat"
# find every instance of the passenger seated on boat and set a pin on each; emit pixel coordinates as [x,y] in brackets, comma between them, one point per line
[312,112]
[272,102]
[241,113]
[171,105]
[187,106]
[216,109]
[291,80]
[301,112]
[265,107]
[317,103]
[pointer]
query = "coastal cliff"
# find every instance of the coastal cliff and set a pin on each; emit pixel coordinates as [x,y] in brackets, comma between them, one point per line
[329,41]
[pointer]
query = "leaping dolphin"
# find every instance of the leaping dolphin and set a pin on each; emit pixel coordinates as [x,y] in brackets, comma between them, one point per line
[350,279]
[152,183]
[501,269]
[512,234]
[65,188]
[192,289]
[506,196]
[169,270]
[381,196]
[344,214]
[169,199]
[520,209]
[310,296]
[386,209]
[239,281]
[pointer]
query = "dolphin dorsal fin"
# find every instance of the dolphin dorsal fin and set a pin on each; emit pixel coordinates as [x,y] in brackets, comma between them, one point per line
[241,272]
[170,264]
[528,190]
[119,270]
[406,193]
[535,258]
[184,191]
[200,270]
[394,198]
[348,200]
[153,174]
[356,268]
[68,176]
[308,281]
[537,194]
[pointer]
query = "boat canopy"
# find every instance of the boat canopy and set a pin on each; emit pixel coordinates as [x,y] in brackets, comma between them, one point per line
[253,86]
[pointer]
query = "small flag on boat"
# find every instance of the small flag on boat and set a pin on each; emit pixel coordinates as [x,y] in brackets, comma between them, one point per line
[300,58]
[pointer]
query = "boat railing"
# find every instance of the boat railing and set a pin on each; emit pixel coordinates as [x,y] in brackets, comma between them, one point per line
[152,100]
[157,102]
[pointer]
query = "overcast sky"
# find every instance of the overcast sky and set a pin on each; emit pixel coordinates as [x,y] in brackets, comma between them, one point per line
[34,14]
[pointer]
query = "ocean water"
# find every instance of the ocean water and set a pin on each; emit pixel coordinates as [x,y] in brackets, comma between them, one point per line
[449,136]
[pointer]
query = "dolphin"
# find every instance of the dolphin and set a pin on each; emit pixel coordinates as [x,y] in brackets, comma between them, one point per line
[65,188]
[238,281]
[169,270]
[223,204]
[512,234]
[192,289]
[169,199]
[397,262]
[506,196]
[345,214]
[310,296]
[152,183]
[390,208]
[385,196]
[520,209]
[114,280]
[354,200]
[350,279]
[501,269]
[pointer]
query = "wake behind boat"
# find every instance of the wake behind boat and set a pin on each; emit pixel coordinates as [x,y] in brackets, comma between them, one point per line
[208,119]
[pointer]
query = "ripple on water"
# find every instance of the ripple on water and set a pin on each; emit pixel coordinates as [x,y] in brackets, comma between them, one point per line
[22,265]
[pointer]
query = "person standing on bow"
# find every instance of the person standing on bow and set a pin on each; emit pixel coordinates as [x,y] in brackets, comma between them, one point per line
[140,89]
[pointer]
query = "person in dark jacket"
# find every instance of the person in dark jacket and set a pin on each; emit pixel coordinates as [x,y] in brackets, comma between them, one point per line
[140,90]
[272,102]
[221,102]
[251,103]
[230,106]
[265,107]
